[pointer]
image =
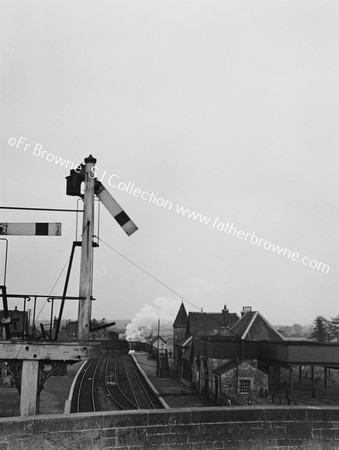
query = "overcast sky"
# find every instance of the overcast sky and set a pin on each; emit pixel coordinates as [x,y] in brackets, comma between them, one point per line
[228,108]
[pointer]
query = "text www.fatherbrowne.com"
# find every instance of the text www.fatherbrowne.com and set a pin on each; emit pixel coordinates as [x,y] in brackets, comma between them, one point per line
[231,230]
[152,197]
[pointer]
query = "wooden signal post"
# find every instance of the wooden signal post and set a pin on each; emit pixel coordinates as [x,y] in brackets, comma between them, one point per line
[86,268]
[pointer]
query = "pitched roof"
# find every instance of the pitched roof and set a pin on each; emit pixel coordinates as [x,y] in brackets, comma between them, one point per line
[229,319]
[181,319]
[202,324]
[253,326]
[241,326]
[207,324]
[228,366]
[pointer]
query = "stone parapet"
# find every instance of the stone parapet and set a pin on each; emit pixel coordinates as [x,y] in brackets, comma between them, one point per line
[284,428]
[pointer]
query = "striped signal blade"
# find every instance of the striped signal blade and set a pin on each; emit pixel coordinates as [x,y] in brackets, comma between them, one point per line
[30,229]
[114,208]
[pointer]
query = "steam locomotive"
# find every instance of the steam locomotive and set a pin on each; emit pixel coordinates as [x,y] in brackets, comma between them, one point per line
[115,344]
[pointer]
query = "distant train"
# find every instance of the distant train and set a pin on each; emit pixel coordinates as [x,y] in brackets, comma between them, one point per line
[124,346]
[116,344]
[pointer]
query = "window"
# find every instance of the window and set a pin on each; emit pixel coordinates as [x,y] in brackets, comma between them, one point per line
[244,385]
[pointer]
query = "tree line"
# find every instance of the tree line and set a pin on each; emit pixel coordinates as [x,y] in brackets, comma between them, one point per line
[322,330]
[325,331]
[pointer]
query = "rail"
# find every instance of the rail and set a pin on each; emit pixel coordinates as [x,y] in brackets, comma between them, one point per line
[125,389]
[114,389]
[141,382]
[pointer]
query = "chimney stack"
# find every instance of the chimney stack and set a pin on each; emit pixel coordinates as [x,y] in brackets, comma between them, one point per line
[225,316]
[246,309]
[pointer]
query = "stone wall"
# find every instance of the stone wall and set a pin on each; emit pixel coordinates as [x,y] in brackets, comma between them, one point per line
[204,381]
[235,428]
[230,381]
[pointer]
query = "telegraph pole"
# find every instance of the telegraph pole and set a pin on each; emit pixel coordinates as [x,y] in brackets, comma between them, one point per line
[86,267]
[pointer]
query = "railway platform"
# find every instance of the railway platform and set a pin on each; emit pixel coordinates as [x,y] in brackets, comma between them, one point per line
[173,391]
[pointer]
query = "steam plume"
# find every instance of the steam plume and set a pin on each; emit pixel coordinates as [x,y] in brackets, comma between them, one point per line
[145,321]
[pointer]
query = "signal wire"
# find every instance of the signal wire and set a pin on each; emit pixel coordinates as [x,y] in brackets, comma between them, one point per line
[50,292]
[159,281]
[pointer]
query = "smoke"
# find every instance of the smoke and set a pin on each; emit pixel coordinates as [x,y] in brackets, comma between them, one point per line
[145,322]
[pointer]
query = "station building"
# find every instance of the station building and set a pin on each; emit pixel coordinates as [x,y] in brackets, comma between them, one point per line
[241,359]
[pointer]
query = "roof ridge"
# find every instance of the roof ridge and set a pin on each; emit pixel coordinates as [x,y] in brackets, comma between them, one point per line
[255,315]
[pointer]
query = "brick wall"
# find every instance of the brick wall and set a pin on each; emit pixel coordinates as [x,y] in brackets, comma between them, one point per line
[234,428]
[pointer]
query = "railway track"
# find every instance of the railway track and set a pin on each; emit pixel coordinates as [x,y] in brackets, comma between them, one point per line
[87,402]
[143,397]
[112,382]
[113,385]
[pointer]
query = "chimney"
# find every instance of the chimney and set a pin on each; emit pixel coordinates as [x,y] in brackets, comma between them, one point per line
[246,309]
[225,316]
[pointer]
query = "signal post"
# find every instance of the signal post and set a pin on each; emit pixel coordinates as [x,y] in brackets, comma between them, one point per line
[86,268]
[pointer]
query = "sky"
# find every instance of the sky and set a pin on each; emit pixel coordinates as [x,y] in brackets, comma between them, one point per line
[227,108]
